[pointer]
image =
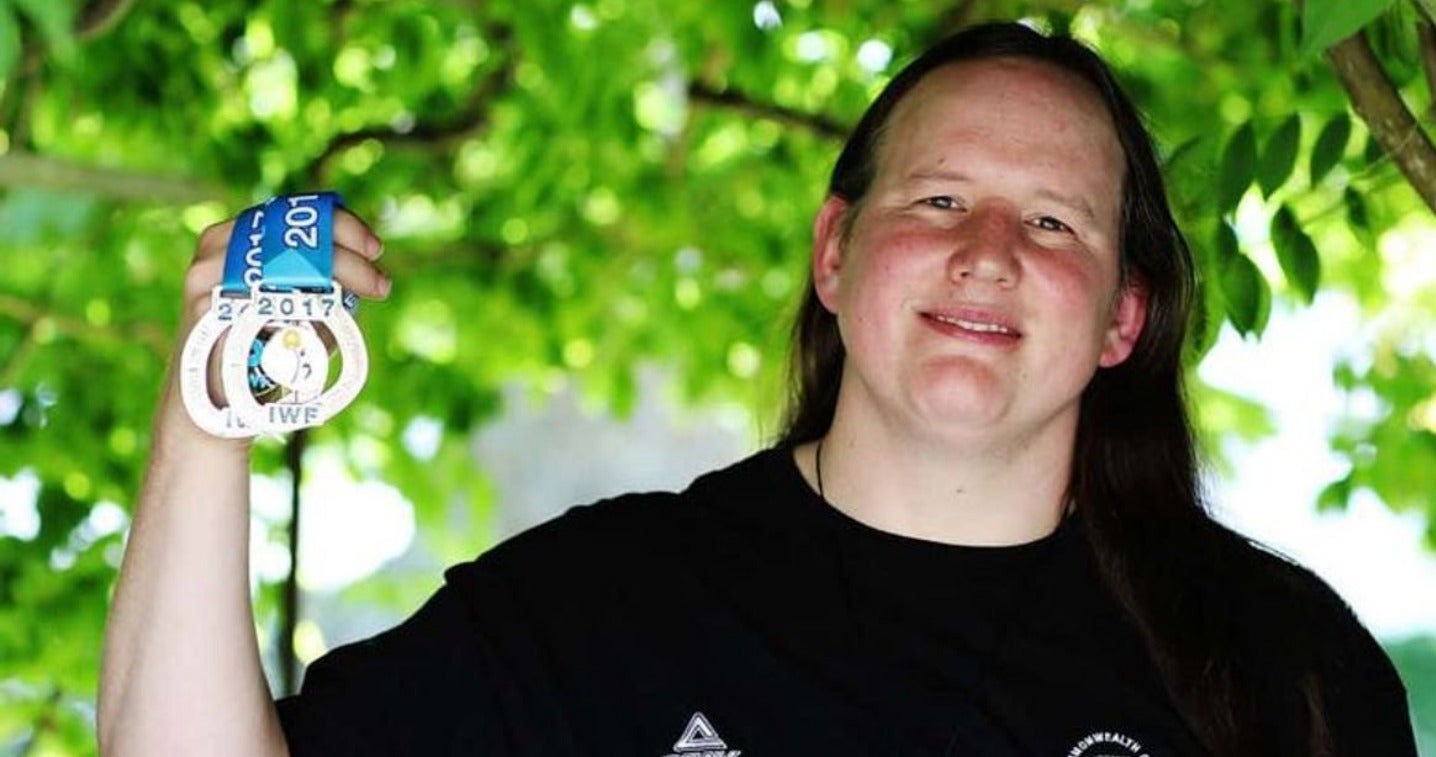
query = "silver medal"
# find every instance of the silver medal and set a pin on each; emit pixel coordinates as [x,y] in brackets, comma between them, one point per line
[194,370]
[294,358]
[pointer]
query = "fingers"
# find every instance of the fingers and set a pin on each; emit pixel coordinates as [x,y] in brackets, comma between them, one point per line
[356,247]
[350,231]
[357,273]
[206,269]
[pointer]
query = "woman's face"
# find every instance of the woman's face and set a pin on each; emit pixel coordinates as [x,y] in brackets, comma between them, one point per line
[977,290]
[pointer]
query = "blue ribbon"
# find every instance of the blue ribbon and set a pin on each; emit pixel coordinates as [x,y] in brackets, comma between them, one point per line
[284,244]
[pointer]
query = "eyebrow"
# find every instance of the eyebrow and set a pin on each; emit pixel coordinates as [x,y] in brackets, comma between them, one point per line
[1075,203]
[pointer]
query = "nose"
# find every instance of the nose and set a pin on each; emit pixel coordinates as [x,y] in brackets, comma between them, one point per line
[985,246]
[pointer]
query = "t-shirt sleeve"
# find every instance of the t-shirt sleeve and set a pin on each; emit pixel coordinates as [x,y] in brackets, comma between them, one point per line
[424,687]
[1310,653]
[478,670]
[1365,702]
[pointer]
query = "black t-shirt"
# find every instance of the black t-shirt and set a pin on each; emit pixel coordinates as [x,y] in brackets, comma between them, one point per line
[747,615]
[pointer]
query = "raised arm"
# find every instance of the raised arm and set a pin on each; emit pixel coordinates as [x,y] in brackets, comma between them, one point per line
[181,671]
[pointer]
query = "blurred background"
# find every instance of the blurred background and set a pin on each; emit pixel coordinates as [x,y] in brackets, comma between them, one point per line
[597,217]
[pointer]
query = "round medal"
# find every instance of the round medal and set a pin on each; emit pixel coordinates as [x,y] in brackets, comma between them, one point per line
[277,293]
[194,370]
[294,357]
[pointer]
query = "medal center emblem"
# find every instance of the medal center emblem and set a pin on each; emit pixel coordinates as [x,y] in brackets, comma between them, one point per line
[294,357]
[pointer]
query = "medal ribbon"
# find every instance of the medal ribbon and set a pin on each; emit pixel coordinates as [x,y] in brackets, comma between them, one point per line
[284,245]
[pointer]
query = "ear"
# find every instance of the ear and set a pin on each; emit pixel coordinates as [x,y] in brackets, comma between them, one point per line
[1128,318]
[828,250]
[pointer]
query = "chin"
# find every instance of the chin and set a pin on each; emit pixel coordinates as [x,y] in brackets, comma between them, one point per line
[960,390]
[961,412]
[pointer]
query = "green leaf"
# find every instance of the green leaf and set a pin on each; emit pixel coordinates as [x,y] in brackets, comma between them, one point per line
[9,40]
[1209,310]
[1241,417]
[1343,376]
[55,19]
[1335,495]
[60,513]
[1238,163]
[1391,38]
[1326,22]
[1296,253]
[1330,146]
[1246,294]
[1226,243]
[1279,156]
[1373,152]
[1180,153]
[1356,212]
[1207,316]
[1189,169]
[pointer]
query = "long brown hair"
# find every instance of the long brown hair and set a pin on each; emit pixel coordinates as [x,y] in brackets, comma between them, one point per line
[1135,474]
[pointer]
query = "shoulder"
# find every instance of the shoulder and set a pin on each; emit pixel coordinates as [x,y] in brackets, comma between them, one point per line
[1276,594]
[1292,623]
[1286,594]
[631,535]
[578,592]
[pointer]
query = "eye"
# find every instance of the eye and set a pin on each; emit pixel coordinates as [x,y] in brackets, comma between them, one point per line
[1048,223]
[941,202]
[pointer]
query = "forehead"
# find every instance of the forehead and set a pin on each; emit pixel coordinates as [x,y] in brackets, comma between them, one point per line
[1026,106]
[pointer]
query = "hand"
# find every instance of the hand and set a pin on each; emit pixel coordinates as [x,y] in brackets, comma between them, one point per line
[356,248]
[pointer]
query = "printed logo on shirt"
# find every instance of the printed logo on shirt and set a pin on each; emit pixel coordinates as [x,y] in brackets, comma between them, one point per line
[1107,744]
[700,739]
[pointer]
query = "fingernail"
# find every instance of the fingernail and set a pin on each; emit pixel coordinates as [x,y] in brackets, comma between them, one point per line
[385,285]
[376,246]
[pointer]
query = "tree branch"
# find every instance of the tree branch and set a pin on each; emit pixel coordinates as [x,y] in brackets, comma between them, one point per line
[1427,8]
[99,17]
[703,93]
[18,99]
[32,315]
[10,369]
[26,169]
[472,118]
[289,593]
[18,95]
[1377,102]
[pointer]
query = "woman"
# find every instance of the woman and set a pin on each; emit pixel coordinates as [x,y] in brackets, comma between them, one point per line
[980,534]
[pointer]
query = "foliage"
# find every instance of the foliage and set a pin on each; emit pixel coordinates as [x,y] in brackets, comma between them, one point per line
[570,190]
[1416,659]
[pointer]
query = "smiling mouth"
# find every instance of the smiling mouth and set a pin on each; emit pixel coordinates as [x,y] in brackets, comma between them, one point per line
[974,326]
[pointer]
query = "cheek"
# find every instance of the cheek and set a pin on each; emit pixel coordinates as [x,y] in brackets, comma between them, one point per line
[1080,289]
[876,286]
[873,288]
[891,258]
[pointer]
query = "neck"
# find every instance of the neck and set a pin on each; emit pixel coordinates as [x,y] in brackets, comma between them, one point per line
[949,492]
